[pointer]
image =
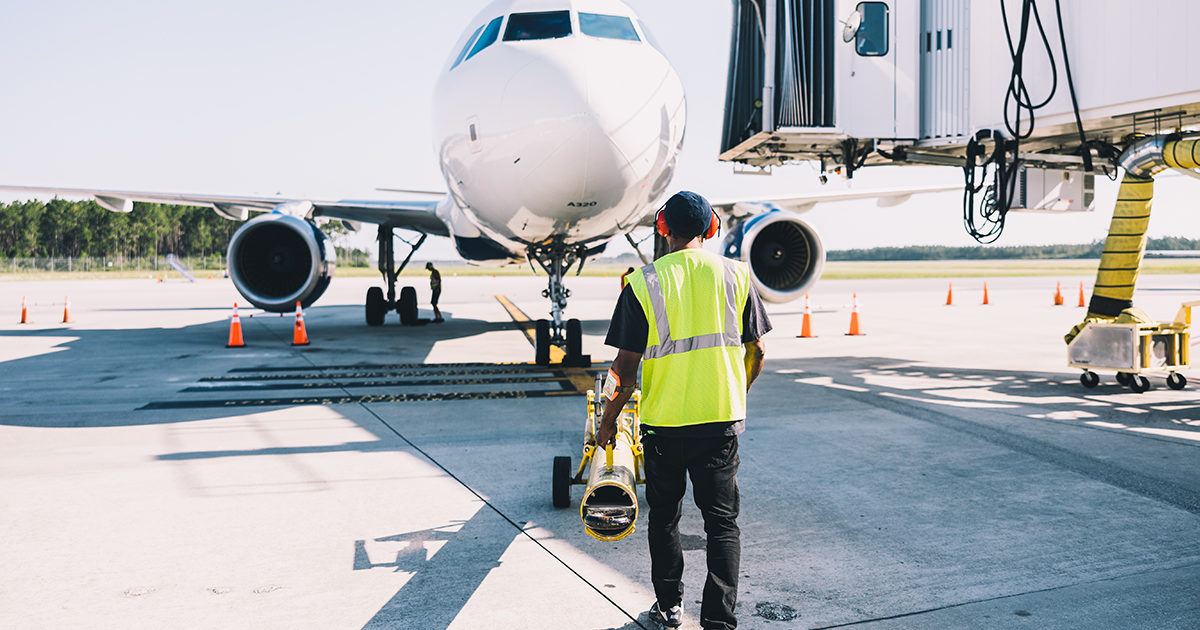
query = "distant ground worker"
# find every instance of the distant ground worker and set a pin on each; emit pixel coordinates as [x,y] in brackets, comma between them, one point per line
[697,322]
[435,290]
[625,277]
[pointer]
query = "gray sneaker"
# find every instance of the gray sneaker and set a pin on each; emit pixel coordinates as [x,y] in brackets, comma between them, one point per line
[670,618]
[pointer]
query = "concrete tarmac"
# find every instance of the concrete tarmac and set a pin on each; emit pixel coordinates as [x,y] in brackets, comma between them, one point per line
[945,470]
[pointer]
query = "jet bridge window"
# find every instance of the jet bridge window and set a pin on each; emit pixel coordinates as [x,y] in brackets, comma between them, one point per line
[607,26]
[490,33]
[539,25]
[871,40]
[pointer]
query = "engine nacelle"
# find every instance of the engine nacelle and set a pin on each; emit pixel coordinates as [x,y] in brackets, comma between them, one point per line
[276,260]
[784,254]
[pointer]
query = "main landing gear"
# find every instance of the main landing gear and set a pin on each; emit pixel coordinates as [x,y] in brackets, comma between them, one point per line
[556,259]
[377,304]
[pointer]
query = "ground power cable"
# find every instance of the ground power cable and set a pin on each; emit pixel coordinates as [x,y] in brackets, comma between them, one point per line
[485,501]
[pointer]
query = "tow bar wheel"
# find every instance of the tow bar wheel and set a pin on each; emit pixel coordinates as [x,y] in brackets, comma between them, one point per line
[561,481]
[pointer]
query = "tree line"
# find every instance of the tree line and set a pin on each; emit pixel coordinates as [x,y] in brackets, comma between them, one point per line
[60,228]
[934,252]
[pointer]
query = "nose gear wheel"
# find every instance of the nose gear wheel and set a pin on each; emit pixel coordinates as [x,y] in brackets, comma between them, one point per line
[556,259]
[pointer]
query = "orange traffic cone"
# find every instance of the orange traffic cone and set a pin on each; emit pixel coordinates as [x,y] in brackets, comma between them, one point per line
[1058,296]
[299,335]
[985,299]
[66,310]
[235,330]
[24,311]
[950,295]
[1081,300]
[806,325]
[854,316]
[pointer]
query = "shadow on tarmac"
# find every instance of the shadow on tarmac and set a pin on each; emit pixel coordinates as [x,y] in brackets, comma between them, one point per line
[141,366]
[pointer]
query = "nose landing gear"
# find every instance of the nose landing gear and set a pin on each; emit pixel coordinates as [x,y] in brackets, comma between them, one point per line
[557,259]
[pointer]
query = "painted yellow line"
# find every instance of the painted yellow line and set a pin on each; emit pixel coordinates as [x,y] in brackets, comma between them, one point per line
[578,378]
[526,325]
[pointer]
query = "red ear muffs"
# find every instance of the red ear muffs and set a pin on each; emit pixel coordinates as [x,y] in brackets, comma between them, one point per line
[660,224]
[714,226]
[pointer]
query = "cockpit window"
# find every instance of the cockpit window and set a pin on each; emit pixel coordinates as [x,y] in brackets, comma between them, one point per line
[539,25]
[488,38]
[466,47]
[607,26]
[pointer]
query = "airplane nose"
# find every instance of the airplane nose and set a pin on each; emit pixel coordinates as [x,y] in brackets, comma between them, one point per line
[565,153]
[594,111]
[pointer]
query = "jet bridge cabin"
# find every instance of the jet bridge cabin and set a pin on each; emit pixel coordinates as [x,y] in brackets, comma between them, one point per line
[853,83]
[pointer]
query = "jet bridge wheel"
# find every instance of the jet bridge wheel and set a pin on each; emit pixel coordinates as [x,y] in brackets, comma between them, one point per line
[375,306]
[561,482]
[1176,380]
[406,306]
[541,340]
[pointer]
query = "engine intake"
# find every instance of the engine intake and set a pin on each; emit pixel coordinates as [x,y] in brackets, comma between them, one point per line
[784,254]
[276,260]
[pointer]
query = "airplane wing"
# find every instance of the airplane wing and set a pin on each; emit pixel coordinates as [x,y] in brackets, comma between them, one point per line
[744,207]
[411,214]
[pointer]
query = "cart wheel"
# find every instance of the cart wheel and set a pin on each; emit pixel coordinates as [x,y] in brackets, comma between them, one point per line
[561,482]
[1124,378]
[1089,379]
[1139,384]
[1176,380]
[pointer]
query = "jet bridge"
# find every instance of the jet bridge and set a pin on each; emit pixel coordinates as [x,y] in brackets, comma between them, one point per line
[1030,98]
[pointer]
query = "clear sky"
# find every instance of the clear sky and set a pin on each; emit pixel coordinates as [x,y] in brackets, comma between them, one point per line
[334,99]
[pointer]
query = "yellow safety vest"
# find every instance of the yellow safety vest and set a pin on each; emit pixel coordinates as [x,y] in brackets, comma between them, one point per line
[693,369]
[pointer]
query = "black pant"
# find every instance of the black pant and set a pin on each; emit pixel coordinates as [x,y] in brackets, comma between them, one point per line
[712,464]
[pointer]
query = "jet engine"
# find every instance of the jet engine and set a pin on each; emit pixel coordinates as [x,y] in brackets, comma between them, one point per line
[784,254]
[276,260]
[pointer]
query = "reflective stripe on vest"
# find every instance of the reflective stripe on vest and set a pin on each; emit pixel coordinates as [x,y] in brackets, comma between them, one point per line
[667,345]
[694,371]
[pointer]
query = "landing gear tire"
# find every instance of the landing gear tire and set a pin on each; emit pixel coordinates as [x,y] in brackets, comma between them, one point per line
[1089,379]
[1176,380]
[541,340]
[1124,378]
[561,482]
[375,306]
[1139,384]
[406,306]
[574,338]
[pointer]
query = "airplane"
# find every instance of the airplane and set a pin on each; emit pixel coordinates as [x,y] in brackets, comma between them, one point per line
[559,125]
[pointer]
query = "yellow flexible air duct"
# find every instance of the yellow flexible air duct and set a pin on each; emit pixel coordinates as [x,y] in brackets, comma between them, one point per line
[1112,298]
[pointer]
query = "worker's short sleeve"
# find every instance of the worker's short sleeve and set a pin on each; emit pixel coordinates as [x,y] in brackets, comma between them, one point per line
[628,329]
[755,323]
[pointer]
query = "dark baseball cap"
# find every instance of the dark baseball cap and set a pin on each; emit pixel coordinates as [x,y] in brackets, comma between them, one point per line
[687,214]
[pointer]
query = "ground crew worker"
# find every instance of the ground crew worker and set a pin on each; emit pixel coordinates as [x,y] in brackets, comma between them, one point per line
[435,289]
[625,277]
[696,321]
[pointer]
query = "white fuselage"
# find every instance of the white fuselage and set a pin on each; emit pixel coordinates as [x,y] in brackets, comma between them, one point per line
[567,138]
